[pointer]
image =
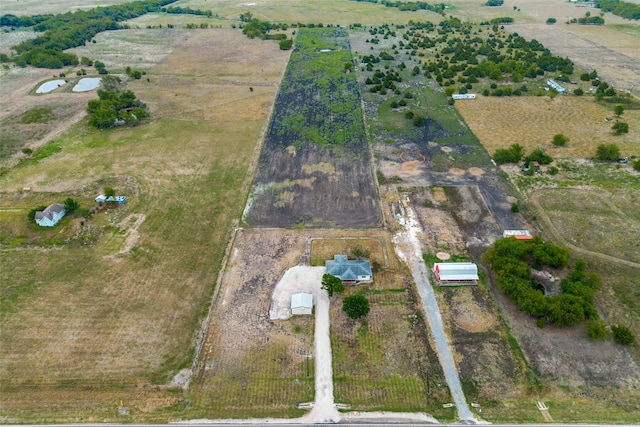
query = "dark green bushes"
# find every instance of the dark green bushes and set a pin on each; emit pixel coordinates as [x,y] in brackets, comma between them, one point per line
[512,260]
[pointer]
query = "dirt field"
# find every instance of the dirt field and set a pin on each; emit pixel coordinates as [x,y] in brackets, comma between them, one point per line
[315,166]
[533,121]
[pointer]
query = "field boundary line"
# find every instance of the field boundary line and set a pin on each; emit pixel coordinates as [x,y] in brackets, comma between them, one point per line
[556,234]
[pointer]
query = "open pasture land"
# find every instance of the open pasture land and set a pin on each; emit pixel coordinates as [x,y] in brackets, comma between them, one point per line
[594,219]
[315,167]
[334,12]
[610,50]
[86,316]
[35,7]
[533,121]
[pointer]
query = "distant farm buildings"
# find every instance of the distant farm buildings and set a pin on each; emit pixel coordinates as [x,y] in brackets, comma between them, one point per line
[121,200]
[349,271]
[517,234]
[464,96]
[456,273]
[557,86]
[301,304]
[50,216]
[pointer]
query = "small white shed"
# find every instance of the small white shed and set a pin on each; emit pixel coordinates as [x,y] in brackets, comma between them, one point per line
[456,273]
[301,304]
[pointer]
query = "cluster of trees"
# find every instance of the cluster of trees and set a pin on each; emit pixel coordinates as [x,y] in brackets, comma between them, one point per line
[114,108]
[494,3]
[72,29]
[621,8]
[355,306]
[187,11]
[512,260]
[587,19]
[253,28]
[411,6]
[515,153]
[464,56]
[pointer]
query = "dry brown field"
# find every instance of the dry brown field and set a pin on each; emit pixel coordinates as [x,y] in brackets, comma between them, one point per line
[533,121]
[123,322]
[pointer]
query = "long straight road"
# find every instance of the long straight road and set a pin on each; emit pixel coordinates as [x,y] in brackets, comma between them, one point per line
[408,246]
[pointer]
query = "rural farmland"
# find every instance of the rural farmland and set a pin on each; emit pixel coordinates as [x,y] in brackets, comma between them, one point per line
[280,134]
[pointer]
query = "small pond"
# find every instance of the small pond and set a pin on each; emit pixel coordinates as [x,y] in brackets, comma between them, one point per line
[86,84]
[50,86]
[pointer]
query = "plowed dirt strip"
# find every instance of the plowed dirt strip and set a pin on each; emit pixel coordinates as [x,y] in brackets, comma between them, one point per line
[315,168]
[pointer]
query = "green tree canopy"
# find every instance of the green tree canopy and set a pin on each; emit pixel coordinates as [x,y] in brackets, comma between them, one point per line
[620,127]
[622,335]
[70,205]
[332,284]
[559,140]
[356,306]
[607,152]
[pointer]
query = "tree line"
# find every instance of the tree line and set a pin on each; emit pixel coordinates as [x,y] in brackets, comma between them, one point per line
[620,8]
[71,29]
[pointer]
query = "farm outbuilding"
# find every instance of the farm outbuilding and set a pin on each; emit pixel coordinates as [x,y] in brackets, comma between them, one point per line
[121,200]
[349,271]
[555,85]
[517,234]
[301,304]
[50,216]
[456,273]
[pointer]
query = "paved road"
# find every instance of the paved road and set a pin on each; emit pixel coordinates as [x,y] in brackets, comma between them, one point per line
[421,276]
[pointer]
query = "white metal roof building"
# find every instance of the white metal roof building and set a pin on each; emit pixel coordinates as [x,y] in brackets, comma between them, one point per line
[456,273]
[301,304]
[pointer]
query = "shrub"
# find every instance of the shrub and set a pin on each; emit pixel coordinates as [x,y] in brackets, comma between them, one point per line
[607,152]
[578,92]
[32,213]
[286,44]
[513,154]
[559,140]
[539,155]
[515,208]
[418,121]
[360,252]
[28,151]
[356,306]
[70,205]
[620,127]
[394,104]
[622,335]
[636,165]
[597,330]
[553,170]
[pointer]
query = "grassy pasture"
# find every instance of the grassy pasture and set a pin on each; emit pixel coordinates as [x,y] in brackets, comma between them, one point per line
[312,12]
[78,318]
[34,7]
[533,121]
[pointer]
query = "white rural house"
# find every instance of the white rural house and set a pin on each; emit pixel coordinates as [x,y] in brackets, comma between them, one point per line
[50,216]
[301,304]
[349,271]
[456,273]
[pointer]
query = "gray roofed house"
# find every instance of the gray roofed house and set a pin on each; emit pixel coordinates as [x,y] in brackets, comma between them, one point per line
[50,216]
[349,271]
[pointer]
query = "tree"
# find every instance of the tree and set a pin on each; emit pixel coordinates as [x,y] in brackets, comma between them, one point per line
[70,205]
[551,21]
[513,154]
[559,140]
[356,306]
[597,330]
[578,92]
[32,213]
[622,335]
[607,152]
[331,284]
[109,192]
[636,165]
[618,110]
[286,44]
[620,127]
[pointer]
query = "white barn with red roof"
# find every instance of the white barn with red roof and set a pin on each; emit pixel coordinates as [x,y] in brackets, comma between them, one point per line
[456,273]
